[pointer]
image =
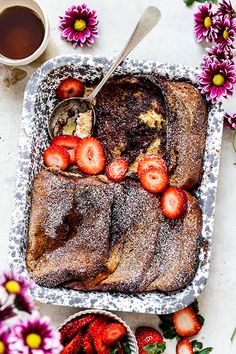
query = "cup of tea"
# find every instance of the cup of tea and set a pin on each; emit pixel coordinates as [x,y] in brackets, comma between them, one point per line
[24,29]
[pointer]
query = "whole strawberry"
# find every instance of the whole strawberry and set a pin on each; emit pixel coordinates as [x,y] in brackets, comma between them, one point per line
[149,340]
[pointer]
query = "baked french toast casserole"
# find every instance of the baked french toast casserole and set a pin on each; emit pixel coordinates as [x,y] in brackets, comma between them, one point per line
[87,232]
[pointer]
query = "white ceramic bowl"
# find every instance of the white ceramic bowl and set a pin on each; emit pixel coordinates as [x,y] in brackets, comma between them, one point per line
[130,335]
[38,9]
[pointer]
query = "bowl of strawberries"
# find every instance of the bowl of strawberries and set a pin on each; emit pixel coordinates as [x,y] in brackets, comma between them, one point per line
[97,331]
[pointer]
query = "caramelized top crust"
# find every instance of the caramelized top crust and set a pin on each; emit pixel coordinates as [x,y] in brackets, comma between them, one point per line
[129,116]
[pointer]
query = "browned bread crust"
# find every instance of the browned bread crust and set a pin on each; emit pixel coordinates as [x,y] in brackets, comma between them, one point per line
[186,116]
[87,234]
[144,115]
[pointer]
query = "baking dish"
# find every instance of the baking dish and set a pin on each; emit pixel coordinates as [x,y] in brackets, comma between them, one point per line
[39,101]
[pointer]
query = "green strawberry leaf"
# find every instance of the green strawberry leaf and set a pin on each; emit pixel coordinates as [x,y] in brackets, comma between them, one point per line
[201,319]
[194,306]
[205,350]
[114,351]
[196,345]
[170,333]
[126,348]
[155,348]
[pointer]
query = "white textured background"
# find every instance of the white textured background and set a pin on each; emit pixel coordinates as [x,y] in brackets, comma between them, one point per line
[171,41]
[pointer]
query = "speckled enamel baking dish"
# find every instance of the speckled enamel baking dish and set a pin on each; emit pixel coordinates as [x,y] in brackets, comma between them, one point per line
[39,102]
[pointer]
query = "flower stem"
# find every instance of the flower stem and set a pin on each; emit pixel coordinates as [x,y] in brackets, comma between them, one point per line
[234,141]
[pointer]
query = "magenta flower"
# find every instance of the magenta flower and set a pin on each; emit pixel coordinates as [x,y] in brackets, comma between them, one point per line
[5,340]
[14,284]
[204,23]
[217,79]
[226,31]
[35,336]
[79,25]
[6,313]
[225,8]
[230,120]
[217,52]
[24,303]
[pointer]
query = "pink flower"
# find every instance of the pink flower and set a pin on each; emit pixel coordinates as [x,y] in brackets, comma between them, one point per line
[5,340]
[217,52]
[204,23]
[226,31]
[14,284]
[35,336]
[79,25]
[217,79]
[225,8]
[230,120]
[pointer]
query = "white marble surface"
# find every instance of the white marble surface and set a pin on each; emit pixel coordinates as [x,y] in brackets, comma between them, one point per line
[172,41]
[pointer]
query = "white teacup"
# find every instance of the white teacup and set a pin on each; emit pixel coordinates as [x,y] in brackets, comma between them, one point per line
[38,9]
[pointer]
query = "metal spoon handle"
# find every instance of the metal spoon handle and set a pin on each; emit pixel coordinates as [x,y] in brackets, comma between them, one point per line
[147,22]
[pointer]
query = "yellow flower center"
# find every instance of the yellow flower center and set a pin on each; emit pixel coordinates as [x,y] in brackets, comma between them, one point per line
[226,34]
[207,22]
[13,287]
[2,347]
[218,80]
[79,25]
[33,341]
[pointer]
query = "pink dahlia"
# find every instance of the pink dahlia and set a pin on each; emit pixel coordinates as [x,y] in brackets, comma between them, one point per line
[79,25]
[230,120]
[5,340]
[35,336]
[14,284]
[204,23]
[226,31]
[225,8]
[217,79]
[6,313]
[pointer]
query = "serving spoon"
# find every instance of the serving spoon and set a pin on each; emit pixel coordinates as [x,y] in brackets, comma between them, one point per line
[146,23]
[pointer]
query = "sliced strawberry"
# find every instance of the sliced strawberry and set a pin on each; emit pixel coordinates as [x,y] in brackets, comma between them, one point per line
[151,161]
[154,180]
[174,202]
[71,328]
[89,156]
[100,347]
[74,346]
[66,141]
[70,88]
[87,345]
[95,324]
[116,170]
[147,336]
[56,156]
[184,347]
[186,322]
[72,156]
[113,333]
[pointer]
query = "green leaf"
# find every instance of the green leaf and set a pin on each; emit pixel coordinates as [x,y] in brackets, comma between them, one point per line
[166,319]
[201,319]
[196,345]
[234,332]
[202,1]
[170,333]
[155,348]
[114,351]
[189,2]
[126,348]
[194,306]
[205,350]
